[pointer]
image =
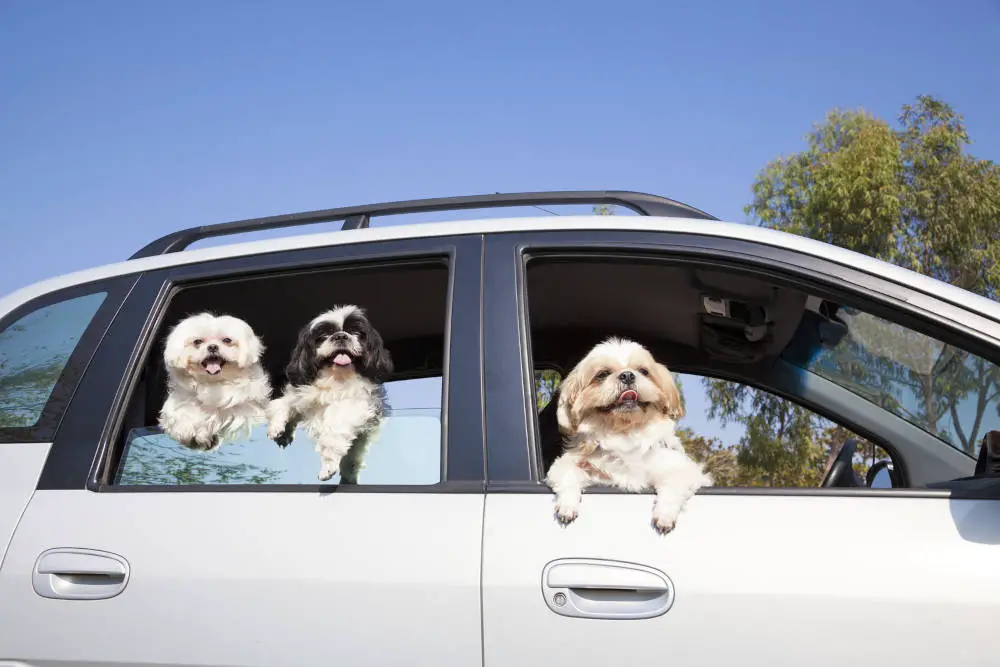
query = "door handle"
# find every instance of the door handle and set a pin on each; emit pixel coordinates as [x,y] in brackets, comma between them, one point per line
[79,574]
[594,588]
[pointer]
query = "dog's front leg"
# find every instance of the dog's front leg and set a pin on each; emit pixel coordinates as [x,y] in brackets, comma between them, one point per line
[567,480]
[332,449]
[675,478]
[280,426]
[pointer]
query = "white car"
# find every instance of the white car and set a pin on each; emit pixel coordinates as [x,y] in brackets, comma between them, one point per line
[120,547]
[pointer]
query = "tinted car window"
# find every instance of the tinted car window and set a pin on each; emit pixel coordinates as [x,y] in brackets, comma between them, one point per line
[34,351]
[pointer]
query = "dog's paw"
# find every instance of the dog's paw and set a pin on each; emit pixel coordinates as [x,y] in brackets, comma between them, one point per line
[566,513]
[283,439]
[327,471]
[662,527]
[276,432]
[204,442]
[664,520]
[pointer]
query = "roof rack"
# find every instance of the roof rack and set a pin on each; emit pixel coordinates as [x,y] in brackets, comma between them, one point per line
[359,217]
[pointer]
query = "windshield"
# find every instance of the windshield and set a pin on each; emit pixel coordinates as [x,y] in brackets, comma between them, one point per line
[946,391]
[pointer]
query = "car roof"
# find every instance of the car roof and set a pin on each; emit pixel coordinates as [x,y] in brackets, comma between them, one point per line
[720,229]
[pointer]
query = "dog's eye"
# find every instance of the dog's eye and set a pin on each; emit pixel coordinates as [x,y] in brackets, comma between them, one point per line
[644,371]
[602,376]
[197,342]
[227,341]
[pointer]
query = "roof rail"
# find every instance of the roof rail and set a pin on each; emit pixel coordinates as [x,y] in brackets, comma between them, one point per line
[358,217]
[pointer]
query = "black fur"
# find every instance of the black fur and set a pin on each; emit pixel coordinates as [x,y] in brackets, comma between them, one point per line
[374,363]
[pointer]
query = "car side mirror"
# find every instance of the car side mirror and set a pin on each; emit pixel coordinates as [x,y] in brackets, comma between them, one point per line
[880,475]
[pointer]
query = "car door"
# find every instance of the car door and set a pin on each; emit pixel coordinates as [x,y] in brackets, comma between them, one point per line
[135,551]
[750,576]
[45,343]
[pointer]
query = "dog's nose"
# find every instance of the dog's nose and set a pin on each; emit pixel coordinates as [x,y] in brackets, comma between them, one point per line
[627,377]
[213,348]
[341,335]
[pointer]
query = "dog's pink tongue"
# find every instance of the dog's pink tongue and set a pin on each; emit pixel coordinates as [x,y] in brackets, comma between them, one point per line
[628,396]
[213,367]
[342,360]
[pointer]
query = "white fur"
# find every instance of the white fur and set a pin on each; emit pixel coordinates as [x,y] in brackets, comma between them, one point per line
[332,412]
[202,410]
[648,455]
[340,408]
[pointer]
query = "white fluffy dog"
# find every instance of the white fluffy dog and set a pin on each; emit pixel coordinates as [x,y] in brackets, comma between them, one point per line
[216,386]
[335,390]
[616,412]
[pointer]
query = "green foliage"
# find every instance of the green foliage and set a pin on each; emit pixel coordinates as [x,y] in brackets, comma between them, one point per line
[25,390]
[157,460]
[911,196]
[546,382]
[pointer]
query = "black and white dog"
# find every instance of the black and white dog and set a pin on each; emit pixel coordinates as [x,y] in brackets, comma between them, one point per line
[335,390]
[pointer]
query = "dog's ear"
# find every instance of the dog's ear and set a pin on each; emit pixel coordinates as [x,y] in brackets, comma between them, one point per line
[664,379]
[565,412]
[174,354]
[252,350]
[379,359]
[301,368]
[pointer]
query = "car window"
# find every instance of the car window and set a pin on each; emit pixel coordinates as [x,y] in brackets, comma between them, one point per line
[34,351]
[546,383]
[752,438]
[948,392]
[406,304]
[406,450]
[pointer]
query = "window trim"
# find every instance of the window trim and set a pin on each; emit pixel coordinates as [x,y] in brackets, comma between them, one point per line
[876,295]
[99,417]
[116,290]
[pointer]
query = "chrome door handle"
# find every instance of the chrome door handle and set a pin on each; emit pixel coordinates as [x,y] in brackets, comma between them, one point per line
[79,574]
[594,588]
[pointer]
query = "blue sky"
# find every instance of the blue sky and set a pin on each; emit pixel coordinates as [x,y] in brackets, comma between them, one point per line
[122,121]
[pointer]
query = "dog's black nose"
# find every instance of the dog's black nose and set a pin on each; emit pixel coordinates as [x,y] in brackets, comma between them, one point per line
[213,348]
[626,377]
[341,335]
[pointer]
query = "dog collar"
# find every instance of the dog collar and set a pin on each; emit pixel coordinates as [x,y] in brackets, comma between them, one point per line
[590,469]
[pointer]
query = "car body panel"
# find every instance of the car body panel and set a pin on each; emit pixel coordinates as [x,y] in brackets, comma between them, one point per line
[20,466]
[254,579]
[759,580]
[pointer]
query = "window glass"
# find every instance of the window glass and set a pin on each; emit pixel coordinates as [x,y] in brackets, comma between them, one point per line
[949,393]
[546,383]
[405,304]
[407,450]
[751,438]
[34,350]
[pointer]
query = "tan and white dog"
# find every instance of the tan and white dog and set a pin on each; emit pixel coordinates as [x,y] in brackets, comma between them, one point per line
[617,414]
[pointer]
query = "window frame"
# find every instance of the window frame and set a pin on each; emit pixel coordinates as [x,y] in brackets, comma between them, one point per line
[507,257]
[116,289]
[83,462]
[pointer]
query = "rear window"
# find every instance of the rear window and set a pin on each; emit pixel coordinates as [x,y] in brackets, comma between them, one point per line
[34,352]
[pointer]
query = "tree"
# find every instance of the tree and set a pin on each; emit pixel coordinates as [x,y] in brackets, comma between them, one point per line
[911,196]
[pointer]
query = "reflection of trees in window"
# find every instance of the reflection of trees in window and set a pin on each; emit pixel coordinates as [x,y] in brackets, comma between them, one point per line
[783,444]
[159,461]
[546,382]
[942,389]
[25,390]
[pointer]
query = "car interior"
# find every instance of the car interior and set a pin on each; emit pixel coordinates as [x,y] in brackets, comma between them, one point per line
[726,323]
